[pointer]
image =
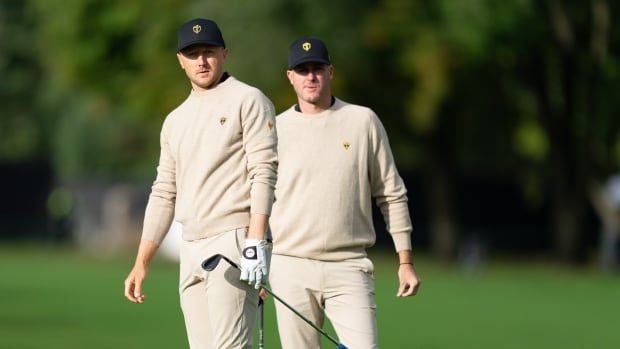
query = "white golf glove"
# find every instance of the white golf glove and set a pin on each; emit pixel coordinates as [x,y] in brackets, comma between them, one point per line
[255,262]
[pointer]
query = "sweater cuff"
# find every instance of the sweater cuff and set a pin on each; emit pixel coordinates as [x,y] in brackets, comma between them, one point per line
[155,234]
[158,243]
[402,241]
[261,198]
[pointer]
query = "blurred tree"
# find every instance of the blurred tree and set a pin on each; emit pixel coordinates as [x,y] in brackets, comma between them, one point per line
[21,135]
[111,78]
[112,74]
[258,35]
[452,92]
[570,82]
[519,89]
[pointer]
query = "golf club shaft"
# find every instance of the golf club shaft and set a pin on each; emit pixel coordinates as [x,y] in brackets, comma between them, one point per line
[211,262]
[301,316]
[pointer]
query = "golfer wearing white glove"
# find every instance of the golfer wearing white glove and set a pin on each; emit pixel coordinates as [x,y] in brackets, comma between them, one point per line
[255,262]
[216,177]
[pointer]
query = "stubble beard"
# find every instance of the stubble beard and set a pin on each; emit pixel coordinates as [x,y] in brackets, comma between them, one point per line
[312,98]
[206,82]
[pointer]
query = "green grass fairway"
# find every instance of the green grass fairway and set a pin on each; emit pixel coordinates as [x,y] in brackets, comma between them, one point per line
[53,297]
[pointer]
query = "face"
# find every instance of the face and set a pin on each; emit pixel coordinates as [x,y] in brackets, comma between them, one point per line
[203,64]
[312,82]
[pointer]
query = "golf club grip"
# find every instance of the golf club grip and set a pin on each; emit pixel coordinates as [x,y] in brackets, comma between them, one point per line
[261,322]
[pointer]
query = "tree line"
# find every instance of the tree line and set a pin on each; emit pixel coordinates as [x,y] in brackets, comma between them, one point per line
[523,90]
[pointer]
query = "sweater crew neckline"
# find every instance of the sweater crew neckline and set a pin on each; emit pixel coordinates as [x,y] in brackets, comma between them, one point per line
[224,81]
[322,114]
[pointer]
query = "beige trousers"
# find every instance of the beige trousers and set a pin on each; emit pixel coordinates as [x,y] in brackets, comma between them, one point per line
[219,309]
[344,291]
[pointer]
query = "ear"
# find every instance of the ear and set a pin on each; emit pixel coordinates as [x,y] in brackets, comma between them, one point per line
[224,53]
[289,75]
[330,71]
[180,61]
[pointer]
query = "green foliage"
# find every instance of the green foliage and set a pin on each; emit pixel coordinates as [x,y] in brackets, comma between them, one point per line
[258,35]
[105,74]
[522,91]
[112,78]
[530,141]
[21,136]
[458,67]
[473,78]
[60,203]
[112,74]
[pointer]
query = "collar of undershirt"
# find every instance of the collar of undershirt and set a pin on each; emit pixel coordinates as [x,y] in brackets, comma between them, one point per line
[298,109]
[224,77]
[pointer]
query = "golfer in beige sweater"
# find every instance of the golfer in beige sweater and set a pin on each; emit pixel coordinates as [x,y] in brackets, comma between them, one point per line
[216,177]
[333,158]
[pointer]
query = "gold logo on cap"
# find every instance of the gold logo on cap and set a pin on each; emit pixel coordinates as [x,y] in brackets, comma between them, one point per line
[346,145]
[197,28]
[306,46]
[270,125]
[222,120]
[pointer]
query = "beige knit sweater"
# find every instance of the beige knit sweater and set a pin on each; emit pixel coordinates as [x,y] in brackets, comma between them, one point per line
[218,163]
[330,166]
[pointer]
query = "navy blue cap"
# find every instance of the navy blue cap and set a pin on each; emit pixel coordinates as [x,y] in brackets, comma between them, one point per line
[200,31]
[306,50]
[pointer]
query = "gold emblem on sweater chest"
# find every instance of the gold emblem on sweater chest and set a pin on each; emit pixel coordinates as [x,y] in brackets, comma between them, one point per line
[346,145]
[270,125]
[222,120]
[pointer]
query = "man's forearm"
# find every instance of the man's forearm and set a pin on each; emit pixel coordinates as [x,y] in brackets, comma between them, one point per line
[146,251]
[404,257]
[258,226]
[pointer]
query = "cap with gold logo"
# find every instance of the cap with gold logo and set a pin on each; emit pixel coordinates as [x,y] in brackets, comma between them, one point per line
[199,31]
[307,49]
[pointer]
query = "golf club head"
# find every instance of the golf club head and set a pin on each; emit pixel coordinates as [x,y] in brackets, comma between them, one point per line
[211,263]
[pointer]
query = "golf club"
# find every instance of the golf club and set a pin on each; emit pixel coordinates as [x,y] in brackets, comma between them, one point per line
[210,263]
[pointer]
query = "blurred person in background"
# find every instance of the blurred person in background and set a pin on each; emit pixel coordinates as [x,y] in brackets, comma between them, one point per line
[216,177]
[606,201]
[333,158]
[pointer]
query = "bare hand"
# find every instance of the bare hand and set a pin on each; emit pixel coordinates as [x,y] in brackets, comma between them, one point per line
[409,281]
[263,294]
[133,284]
